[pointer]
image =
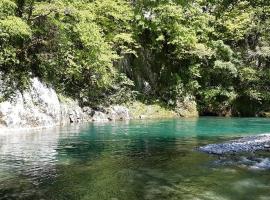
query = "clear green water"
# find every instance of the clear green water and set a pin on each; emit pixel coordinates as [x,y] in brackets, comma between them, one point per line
[152,160]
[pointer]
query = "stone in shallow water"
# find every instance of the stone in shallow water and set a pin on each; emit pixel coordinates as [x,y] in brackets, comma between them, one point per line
[245,144]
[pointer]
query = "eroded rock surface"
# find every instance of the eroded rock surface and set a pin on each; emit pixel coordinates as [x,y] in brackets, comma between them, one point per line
[111,113]
[118,113]
[39,106]
[186,106]
[245,144]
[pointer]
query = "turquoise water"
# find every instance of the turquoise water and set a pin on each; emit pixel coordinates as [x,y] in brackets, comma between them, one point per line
[136,160]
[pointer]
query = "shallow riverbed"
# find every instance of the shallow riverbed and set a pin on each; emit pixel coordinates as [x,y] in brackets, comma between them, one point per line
[152,160]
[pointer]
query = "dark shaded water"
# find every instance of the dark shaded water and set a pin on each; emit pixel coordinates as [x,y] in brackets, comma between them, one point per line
[152,160]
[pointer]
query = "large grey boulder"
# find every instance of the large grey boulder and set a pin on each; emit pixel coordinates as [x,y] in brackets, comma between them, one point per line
[186,106]
[71,112]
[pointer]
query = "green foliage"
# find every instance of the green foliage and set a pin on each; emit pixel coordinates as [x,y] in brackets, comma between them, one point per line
[14,28]
[227,68]
[7,8]
[74,45]
[216,52]
[207,45]
[237,21]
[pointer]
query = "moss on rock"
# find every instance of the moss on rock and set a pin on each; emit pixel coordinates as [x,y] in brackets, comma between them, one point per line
[139,110]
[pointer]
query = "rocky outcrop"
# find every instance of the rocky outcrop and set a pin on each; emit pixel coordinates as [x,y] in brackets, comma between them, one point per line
[39,106]
[111,113]
[245,144]
[264,114]
[99,116]
[71,112]
[139,110]
[118,113]
[186,106]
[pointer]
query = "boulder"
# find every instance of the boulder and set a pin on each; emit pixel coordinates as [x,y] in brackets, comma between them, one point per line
[71,112]
[111,113]
[88,111]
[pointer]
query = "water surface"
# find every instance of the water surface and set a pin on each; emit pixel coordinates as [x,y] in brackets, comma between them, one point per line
[136,160]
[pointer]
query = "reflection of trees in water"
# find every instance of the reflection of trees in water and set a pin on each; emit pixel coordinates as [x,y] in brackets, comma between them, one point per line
[86,146]
[104,160]
[133,160]
[109,160]
[99,159]
[159,153]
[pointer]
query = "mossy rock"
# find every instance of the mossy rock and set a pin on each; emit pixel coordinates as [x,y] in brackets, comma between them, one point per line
[139,110]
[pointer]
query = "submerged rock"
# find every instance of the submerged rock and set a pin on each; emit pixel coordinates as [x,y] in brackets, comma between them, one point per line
[245,144]
[251,161]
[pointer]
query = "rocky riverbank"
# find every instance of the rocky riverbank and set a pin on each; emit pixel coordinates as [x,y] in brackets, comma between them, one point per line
[40,106]
[245,144]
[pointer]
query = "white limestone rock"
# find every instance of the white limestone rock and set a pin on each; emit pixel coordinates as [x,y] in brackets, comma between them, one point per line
[100,117]
[38,106]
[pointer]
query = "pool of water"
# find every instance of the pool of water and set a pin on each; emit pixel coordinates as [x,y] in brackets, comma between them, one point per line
[136,160]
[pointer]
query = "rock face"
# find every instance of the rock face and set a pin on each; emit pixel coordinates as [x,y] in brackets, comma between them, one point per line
[39,106]
[99,116]
[111,114]
[71,112]
[245,144]
[118,113]
[186,106]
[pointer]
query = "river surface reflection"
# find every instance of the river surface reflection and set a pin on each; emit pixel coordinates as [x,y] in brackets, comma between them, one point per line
[154,159]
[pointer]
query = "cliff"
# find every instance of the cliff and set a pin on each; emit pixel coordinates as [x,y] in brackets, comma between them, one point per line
[40,106]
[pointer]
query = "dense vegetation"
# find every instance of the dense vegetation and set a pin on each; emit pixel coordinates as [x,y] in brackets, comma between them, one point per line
[216,52]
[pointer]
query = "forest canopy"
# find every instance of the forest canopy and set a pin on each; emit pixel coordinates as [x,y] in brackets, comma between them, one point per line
[112,51]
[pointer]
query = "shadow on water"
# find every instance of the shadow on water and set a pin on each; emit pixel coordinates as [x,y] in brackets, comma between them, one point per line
[152,159]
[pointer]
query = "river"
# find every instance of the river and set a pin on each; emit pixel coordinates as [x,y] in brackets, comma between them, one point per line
[135,160]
